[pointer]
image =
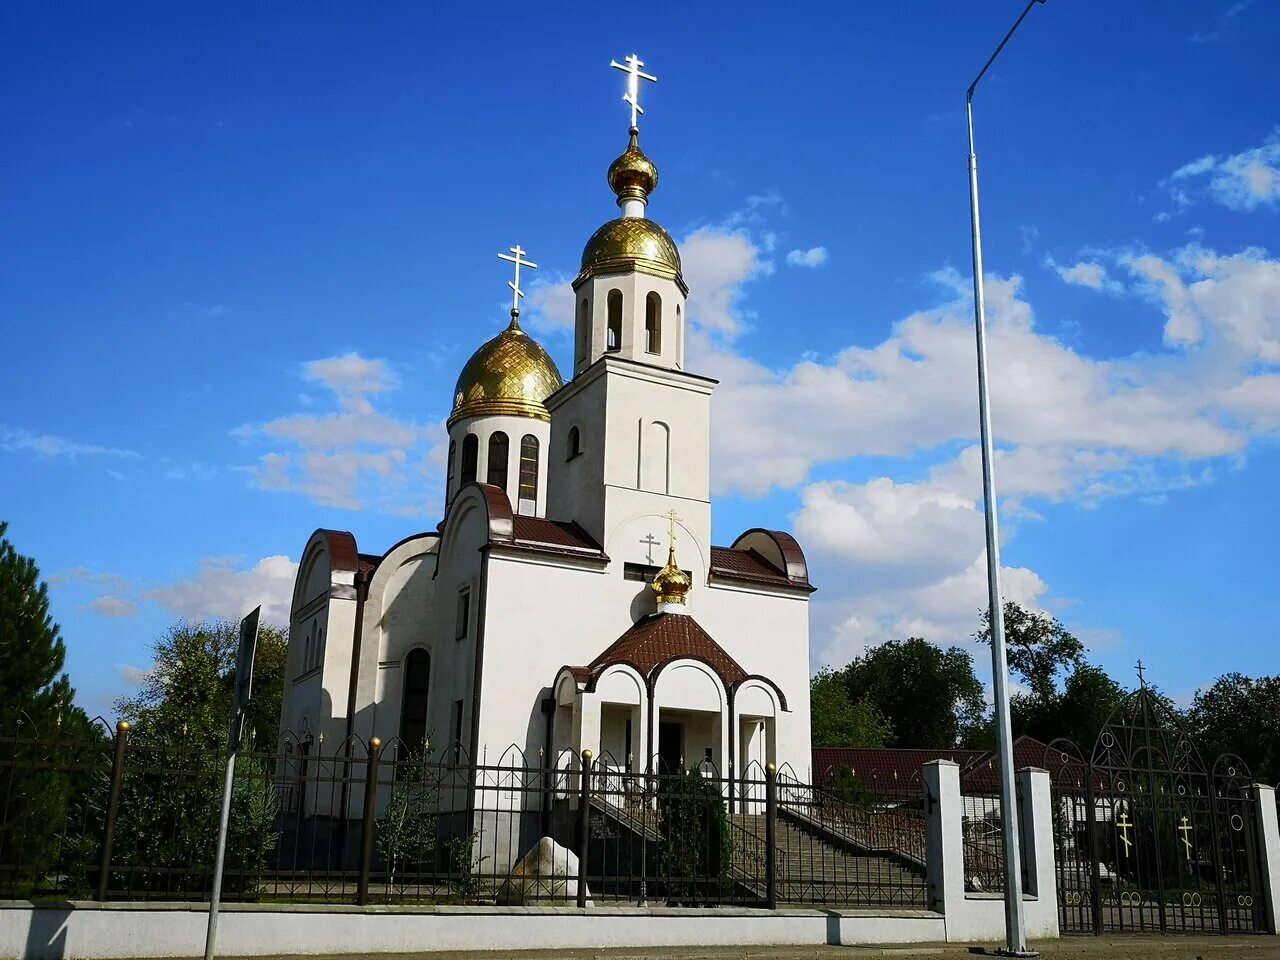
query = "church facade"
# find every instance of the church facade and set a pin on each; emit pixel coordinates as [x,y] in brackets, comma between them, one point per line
[572,598]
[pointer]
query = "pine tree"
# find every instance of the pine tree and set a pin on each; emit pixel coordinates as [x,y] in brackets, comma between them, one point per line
[35,695]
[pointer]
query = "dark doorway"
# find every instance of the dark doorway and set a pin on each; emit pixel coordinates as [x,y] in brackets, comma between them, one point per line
[670,746]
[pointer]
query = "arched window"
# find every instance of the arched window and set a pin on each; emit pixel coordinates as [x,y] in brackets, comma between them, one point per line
[529,473]
[653,323]
[413,708]
[613,335]
[575,444]
[453,452]
[499,448]
[584,328]
[470,454]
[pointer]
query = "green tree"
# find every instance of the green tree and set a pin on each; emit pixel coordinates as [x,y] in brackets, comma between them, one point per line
[1240,715]
[48,745]
[837,721]
[1038,647]
[929,696]
[407,830]
[186,695]
[35,695]
[696,851]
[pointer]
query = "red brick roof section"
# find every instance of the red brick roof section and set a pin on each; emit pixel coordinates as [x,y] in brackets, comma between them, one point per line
[555,534]
[342,549]
[662,637]
[883,767]
[749,566]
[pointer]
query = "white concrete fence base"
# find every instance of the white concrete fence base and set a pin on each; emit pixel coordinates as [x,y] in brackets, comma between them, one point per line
[122,930]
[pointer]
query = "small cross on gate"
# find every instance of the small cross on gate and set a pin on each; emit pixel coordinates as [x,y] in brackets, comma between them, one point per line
[1125,826]
[516,292]
[631,67]
[650,541]
[1185,830]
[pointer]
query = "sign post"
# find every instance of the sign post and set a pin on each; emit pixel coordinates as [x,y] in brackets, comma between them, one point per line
[241,693]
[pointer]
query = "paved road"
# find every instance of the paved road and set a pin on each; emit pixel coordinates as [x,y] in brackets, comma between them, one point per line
[1084,948]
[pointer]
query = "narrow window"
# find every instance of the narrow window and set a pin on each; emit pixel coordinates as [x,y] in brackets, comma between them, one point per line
[470,454]
[575,444]
[653,323]
[584,331]
[613,336]
[462,623]
[499,448]
[413,710]
[453,452]
[529,472]
[455,730]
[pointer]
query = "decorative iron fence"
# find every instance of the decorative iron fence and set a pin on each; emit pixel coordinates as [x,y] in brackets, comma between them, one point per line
[131,816]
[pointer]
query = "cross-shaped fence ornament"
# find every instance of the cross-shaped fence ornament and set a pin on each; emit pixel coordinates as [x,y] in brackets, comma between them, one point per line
[650,541]
[519,261]
[631,67]
[1185,830]
[1125,826]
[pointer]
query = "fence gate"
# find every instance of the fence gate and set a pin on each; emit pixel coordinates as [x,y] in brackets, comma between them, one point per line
[1147,837]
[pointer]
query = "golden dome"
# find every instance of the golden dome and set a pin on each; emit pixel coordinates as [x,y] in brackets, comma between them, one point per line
[633,176]
[631,244]
[671,584]
[509,375]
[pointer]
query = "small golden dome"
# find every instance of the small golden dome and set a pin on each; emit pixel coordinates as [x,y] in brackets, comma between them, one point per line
[633,176]
[631,244]
[671,584]
[509,375]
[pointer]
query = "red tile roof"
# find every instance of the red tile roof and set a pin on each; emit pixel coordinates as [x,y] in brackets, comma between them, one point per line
[662,637]
[748,565]
[561,536]
[883,767]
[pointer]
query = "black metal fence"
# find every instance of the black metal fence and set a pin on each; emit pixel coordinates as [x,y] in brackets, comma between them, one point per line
[129,816]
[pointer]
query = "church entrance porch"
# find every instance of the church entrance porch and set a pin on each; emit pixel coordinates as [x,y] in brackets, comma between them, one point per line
[687,740]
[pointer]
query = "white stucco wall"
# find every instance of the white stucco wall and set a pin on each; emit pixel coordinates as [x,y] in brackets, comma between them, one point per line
[515,428]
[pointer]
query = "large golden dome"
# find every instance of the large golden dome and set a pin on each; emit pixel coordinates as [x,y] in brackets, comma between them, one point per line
[631,243]
[509,375]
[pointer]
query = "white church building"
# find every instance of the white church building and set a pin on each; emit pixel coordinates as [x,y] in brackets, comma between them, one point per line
[572,598]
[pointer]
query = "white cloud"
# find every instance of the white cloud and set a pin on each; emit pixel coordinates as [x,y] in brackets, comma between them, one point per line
[222,590]
[134,676]
[1240,181]
[549,305]
[1086,274]
[113,606]
[47,445]
[354,456]
[717,261]
[813,257]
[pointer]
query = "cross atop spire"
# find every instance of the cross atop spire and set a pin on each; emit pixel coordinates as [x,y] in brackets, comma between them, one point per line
[516,292]
[1142,678]
[673,518]
[631,67]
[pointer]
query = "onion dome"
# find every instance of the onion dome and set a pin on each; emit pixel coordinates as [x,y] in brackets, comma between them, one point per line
[631,244]
[509,375]
[633,176]
[671,584]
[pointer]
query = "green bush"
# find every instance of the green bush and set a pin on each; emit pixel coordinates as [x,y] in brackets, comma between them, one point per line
[696,851]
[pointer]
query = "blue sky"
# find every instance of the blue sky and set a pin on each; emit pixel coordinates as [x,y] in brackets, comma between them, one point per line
[247,249]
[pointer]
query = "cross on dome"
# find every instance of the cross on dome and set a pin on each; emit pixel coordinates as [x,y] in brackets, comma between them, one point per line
[516,292]
[673,519]
[631,67]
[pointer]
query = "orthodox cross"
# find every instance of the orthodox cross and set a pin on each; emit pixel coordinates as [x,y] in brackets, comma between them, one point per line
[1142,679]
[1125,826]
[631,67]
[650,541]
[674,518]
[1185,830]
[519,261]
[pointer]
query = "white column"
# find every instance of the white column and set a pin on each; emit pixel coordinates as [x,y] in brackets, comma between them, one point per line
[1268,853]
[1035,798]
[944,844]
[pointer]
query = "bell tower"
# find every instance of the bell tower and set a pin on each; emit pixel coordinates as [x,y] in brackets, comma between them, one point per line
[630,433]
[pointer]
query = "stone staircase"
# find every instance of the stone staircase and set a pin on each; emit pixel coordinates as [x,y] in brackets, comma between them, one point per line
[815,865]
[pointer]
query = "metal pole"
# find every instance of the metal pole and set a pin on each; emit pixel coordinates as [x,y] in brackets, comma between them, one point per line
[584,827]
[770,835]
[113,808]
[1015,922]
[211,934]
[368,820]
